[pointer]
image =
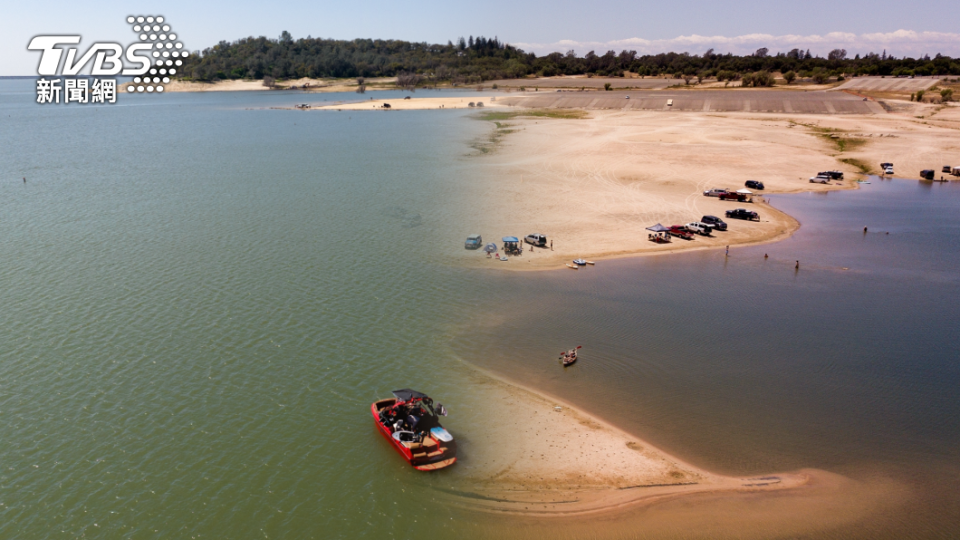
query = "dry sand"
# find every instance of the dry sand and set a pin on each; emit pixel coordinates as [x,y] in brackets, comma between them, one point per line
[593,185]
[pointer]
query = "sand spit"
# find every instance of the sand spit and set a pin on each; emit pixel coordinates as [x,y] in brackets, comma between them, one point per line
[412,104]
[549,463]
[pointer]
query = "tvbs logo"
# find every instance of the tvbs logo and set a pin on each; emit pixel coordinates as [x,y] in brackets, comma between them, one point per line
[151,61]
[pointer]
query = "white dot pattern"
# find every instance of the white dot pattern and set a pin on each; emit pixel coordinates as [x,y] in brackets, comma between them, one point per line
[148,28]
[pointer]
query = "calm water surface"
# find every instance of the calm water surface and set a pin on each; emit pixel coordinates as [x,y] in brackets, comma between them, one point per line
[199,298]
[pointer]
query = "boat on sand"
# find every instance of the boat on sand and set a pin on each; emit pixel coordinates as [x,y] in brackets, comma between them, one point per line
[410,422]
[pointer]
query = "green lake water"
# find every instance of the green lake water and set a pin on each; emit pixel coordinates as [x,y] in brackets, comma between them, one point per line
[200,297]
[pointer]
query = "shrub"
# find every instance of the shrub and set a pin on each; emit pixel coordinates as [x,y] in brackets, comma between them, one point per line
[789,76]
[820,76]
[920,95]
[946,94]
[494,86]
[606,86]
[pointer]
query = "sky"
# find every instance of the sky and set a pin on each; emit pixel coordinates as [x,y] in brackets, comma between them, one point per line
[737,26]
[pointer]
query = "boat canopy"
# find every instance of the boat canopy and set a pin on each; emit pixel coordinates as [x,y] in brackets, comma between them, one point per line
[658,228]
[406,394]
[745,191]
[510,239]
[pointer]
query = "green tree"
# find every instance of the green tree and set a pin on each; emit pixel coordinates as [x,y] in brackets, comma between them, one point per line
[789,76]
[606,86]
[946,94]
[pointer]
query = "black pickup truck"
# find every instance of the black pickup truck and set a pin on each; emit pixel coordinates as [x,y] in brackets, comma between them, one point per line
[743,213]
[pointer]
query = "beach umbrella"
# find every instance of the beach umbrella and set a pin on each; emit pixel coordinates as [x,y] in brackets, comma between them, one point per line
[490,248]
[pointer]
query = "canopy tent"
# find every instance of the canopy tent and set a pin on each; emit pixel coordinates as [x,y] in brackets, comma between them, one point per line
[745,192]
[490,248]
[513,239]
[658,228]
[406,394]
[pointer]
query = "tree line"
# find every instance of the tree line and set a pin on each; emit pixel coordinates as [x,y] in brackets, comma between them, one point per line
[480,59]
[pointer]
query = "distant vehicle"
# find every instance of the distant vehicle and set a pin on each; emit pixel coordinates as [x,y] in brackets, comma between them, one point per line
[539,240]
[955,171]
[715,222]
[819,179]
[700,228]
[733,196]
[754,184]
[474,241]
[833,175]
[716,191]
[743,213]
[627,97]
[927,174]
[669,103]
[888,170]
[947,169]
[886,165]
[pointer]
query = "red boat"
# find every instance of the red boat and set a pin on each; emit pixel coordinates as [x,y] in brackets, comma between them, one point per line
[410,422]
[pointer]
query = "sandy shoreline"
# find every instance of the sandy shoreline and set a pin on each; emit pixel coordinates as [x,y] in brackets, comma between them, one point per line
[593,185]
[550,463]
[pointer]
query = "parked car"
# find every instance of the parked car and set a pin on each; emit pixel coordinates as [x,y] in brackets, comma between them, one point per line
[474,241]
[754,184]
[537,239]
[733,196]
[819,179]
[680,232]
[886,165]
[927,174]
[717,192]
[888,170]
[700,228]
[715,222]
[947,169]
[833,175]
[743,213]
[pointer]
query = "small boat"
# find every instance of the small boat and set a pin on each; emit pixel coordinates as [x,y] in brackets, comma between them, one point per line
[569,357]
[573,266]
[410,421]
[591,263]
[579,262]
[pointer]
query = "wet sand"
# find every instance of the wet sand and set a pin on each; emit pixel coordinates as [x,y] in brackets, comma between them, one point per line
[553,467]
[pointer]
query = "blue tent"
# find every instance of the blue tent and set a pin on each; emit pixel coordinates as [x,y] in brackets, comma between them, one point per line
[658,228]
[510,239]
